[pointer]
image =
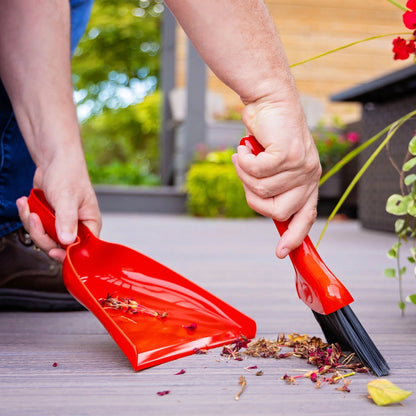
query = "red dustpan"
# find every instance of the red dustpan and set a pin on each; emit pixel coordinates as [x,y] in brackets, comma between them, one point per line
[153,313]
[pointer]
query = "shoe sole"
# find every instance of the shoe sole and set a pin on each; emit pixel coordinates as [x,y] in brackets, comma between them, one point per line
[29,300]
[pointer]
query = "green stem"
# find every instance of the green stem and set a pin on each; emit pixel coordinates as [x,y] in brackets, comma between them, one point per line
[351,155]
[399,274]
[393,128]
[347,46]
[400,6]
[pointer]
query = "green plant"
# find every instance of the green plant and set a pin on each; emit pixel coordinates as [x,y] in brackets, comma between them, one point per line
[404,206]
[214,189]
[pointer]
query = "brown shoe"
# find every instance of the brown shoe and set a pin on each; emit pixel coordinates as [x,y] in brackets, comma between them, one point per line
[29,279]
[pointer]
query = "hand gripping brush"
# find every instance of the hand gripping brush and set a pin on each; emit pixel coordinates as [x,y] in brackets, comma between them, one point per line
[329,300]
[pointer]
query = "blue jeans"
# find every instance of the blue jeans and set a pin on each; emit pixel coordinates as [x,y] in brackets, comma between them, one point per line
[16,165]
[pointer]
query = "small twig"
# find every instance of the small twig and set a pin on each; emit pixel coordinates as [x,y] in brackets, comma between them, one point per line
[242,382]
[348,359]
[127,319]
[344,375]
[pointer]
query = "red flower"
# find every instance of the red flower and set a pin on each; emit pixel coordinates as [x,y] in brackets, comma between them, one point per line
[353,137]
[402,48]
[409,17]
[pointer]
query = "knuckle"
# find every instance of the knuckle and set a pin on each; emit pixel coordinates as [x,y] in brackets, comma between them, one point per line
[261,190]
[311,215]
[255,171]
[280,214]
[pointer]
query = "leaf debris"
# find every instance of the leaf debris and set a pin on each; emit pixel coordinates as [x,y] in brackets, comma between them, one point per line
[384,392]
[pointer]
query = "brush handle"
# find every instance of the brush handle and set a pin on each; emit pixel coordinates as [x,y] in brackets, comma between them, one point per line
[316,285]
[39,205]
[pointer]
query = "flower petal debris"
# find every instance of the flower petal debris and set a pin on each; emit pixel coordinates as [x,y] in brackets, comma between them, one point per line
[232,351]
[128,305]
[180,372]
[191,327]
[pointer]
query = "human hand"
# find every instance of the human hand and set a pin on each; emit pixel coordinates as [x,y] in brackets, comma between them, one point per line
[282,181]
[69,191]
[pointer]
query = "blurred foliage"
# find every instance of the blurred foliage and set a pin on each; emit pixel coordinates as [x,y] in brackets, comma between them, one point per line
[121,146]
[115,73]
[119,49]
[214,189]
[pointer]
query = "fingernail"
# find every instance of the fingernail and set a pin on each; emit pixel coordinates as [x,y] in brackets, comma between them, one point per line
[67,238]
[284,252]
[243,150]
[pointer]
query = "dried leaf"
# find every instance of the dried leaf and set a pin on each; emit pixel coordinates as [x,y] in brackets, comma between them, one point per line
[263,348]
[384,392]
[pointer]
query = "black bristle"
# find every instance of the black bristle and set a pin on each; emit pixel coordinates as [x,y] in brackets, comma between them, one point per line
[344,328]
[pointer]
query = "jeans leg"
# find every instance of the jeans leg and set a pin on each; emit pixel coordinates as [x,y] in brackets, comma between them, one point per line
[80,15]
[16,171]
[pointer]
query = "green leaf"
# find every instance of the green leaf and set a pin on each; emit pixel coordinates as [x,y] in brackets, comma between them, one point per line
[398,225]
[409,179]
[401,305]
[412,146]
[392,253]
[390,272]
[411,298]
[397,204]
[384,392]
[402,271]
[411,163]
[411,208]
[411,260]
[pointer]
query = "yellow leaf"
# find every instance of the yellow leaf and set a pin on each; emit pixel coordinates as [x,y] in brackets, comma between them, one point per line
[384,392]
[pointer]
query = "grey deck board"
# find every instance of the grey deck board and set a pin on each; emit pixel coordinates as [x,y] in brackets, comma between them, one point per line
[235,260]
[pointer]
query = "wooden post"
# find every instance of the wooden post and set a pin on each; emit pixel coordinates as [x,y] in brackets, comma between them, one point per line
[168,77]
[195,126]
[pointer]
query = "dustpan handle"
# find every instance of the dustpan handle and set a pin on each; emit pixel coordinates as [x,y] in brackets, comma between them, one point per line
[39,205]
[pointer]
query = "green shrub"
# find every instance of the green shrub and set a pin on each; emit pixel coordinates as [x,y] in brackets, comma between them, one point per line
[214,189]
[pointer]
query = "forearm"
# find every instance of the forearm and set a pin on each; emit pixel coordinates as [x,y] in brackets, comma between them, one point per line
[35,69]
[239,42]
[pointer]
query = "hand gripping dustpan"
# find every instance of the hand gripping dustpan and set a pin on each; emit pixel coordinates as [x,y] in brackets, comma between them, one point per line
[154,314]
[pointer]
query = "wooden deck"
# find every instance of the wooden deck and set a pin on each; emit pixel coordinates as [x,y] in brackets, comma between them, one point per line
[235,260]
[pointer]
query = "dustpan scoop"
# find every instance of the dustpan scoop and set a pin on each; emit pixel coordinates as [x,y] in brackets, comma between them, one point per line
[154,314]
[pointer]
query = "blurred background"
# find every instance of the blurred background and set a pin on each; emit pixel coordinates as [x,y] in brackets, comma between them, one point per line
[134,68]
